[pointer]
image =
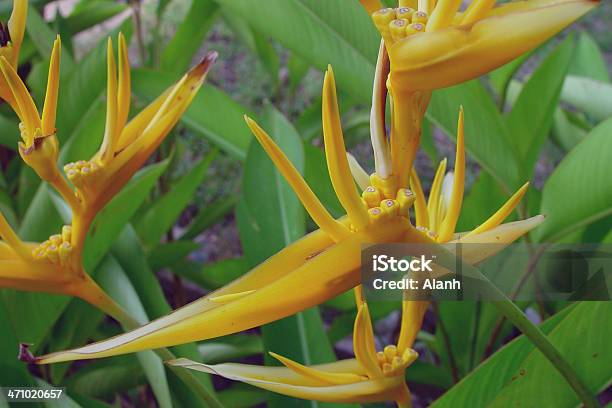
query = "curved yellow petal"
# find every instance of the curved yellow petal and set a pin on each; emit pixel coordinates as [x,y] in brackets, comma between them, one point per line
[27,111]
[413,312]
[501,214]
[360,176]
[50,106]
[382,389]
[323,377]
[310,201]
[447,57]
[335,153]
[449,222]
[279,292]
[443,14]
[420,205]
[107,151]
[124,94]
[477,10]
[363,342]
[12,239]
[434,197]
[16,26]
[378,131]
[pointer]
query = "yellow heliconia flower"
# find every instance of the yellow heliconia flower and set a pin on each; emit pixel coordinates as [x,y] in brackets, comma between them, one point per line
[370,377]
[319,266]
[55,265]
[432,44]
[11,37]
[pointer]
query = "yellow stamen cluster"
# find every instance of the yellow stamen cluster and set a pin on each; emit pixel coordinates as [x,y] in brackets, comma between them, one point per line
[383,199]
[398,23]
[56,249]
[81,174]
[392,362]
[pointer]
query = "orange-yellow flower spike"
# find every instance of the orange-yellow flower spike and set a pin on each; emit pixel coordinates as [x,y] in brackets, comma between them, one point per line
[310,201]
[371,5]
[50,106]
[10,237]
[502,213]
[335,151]
[449,222]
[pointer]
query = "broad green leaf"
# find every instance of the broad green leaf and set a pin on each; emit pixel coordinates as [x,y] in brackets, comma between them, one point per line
[209,215]
[162,214]
[589,95]
[12,371]
[486,136]
[501,77]
[43,37]
[243,396]
[213,275]
[189,36]
[255,42]
[9,132]
[105,377]
[270,217]
[317,177]
[110,221]
[584,342]
[212,114]
[298,68]
[113,280]
[565,132]
[230,348]
[339,33]
[579,191]
[531,116]
[588,60]
[91,13]
[486,381]
[86,137]
[169,254]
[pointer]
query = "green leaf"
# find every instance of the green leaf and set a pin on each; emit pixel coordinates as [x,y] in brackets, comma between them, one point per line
[317,177]
[110,221]
[230,348]
[113,280]
[43,37]
[486,381]
[531,116]
[501,77]
[298,68]
[189,36]
[213,275]
[209,215]
[321,33]
[486,135]
[270,217]
[212,114]
[588,60]
[9,132]
[169,254]
[90,13]
[579,191]
[584,342]
[589,95]
[162,214]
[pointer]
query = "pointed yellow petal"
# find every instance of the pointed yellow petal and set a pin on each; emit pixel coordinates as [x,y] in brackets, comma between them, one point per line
[414,4]
[124,94]
[501,236]
[231,297]
[443,14]
[360,176]
[291,281]
[378,132]
[449,223]
[446,57]
[420,205]
[371,5]
[434,196]
[324,377]
[50,106]
[363,342]
[477,10]
[269,378]
[107,151]
[16,26]
[426,5]
[413,312]
[502,213]
[310,201]
[10,237]
[335,152]
[28,114]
